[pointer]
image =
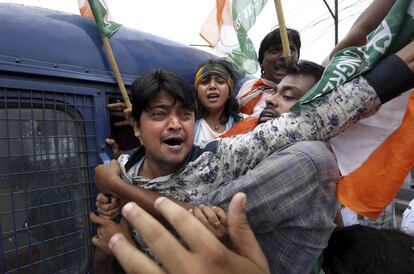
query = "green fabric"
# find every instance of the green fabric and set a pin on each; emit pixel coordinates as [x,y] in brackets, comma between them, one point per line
[106,28]
[394,32]
[244,17]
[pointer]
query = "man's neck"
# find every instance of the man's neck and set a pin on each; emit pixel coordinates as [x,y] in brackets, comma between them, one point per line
[154,170]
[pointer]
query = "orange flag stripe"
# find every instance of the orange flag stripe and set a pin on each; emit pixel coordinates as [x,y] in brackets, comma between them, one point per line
[372,186]
[244,126]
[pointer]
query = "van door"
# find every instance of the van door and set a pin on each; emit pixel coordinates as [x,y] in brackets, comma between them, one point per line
[48,149]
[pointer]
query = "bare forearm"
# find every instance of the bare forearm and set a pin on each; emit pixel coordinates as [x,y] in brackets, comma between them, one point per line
[102,263]
[143,197]
[366,22]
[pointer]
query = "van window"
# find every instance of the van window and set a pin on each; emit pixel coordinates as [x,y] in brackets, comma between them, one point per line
[44,183]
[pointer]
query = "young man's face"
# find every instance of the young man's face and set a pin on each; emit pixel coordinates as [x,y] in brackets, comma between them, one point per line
[287,93]
[273,64]
[166,130]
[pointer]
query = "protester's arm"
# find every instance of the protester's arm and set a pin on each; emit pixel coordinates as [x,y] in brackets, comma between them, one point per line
[324,117]
[102,263]
[366,23]
[406,54]
[108,181]
[393,75]
[103,259]
[205,254]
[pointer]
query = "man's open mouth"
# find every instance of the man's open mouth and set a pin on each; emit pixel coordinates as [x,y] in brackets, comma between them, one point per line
[269,113]
[281,68]
[174,141]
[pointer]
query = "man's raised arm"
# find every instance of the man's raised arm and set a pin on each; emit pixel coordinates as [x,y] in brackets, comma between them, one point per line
[108,180]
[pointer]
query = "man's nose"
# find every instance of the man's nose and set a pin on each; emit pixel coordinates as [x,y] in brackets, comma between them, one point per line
[174,122]
[272,100]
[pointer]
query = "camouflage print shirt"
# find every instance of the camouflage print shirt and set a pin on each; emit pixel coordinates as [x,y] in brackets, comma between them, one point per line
[223,160]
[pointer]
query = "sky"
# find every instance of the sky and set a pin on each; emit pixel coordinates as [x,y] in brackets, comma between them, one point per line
[181,20]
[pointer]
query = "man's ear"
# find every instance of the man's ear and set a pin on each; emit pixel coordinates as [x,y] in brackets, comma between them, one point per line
[137,129]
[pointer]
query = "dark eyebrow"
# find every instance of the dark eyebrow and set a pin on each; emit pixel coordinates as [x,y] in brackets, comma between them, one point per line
[292,88]
[164,106]
[169,107]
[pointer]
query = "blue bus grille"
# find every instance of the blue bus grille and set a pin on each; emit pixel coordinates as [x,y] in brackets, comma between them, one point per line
[46,140]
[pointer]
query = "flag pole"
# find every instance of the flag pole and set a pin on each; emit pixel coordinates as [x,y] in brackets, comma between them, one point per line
[96,9]
[283,33]
[116,71]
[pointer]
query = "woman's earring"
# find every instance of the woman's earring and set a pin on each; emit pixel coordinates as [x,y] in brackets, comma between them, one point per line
[261,71]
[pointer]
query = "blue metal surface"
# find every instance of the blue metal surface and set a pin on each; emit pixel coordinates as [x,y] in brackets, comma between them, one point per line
[55,83]
[47,155]
[52,43]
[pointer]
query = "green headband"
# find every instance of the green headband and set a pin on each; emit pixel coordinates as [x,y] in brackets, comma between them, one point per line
[213,68]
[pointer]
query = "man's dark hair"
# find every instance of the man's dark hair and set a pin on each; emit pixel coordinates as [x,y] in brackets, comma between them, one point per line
[306,67]
[148,86]
[364,250]
[273,39]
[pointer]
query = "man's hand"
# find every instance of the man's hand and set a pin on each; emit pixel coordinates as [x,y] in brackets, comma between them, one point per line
[120,109]
[105,175]
[114,147]
[205,254]
[214,218]
[108,207]
[106,229]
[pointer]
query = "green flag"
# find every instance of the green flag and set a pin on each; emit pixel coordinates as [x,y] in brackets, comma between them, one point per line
[100,13]
[394,32]
[244,16]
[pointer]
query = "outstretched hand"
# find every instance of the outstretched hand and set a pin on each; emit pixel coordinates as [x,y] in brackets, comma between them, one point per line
[205,253]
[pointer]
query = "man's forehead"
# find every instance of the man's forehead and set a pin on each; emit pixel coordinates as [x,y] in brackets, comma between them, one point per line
[301,81]
[166,100]
[279,45]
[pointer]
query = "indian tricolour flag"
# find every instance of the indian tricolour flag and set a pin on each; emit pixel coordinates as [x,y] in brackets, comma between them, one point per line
[395,31]
[98,9]
[371,187]
[226,31]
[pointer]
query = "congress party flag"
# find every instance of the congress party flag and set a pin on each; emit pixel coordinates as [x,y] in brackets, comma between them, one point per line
[226,31]
[395,31]
[98,9]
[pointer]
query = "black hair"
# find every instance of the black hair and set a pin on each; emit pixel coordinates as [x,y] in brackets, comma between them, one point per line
[231,108]
[306,67]
[148,86]
[273,38]
[359,249]
[398,237]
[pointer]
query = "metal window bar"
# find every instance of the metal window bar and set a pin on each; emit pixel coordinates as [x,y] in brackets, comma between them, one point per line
[45,181]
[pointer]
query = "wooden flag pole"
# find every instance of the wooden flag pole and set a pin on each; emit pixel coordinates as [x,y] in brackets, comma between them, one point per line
[116,71]
[283,34]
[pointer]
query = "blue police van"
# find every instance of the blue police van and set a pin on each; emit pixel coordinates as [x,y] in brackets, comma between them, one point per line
[55,83]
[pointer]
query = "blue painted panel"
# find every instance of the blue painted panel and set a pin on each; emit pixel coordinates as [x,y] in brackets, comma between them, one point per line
[53,43]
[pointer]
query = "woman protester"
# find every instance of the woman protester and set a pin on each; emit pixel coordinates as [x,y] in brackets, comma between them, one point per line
[217,110]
